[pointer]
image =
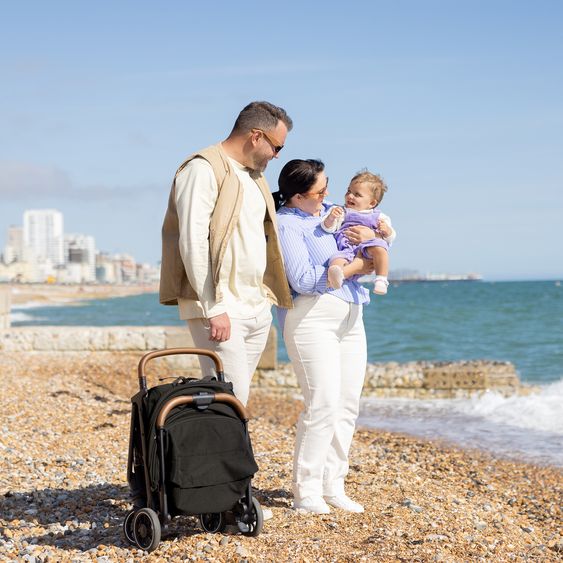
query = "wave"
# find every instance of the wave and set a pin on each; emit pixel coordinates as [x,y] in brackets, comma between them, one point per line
[24,318]
[537,411]
[42,304]
[522,427]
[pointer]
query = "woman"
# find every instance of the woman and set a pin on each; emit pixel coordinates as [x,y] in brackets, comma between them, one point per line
[325,339]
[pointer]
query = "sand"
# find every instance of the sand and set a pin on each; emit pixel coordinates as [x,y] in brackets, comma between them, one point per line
[54,294]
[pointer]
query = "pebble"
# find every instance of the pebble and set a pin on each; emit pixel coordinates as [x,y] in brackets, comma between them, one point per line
[436,537]
[409,504]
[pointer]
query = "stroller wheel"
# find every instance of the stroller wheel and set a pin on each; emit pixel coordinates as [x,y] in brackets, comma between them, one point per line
[128,527]
[255,521]
[146,529]
[213,522]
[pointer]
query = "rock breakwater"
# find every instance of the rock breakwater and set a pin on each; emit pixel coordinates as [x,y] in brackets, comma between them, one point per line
[391,379]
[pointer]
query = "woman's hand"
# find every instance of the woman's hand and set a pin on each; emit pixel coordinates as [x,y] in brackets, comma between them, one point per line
[360,233]
[384,229]
[360,266]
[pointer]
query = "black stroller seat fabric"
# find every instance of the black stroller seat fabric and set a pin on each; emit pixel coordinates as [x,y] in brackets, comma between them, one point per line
[209,458]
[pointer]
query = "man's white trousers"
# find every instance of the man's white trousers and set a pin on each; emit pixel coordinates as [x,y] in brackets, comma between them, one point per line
[240,354]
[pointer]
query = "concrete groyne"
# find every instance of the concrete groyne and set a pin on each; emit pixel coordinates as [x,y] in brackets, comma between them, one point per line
[391,379]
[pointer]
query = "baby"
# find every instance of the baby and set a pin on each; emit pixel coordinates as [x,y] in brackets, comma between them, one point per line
[364,193]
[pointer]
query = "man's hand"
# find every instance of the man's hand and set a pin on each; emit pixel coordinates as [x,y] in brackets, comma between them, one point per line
[220,328]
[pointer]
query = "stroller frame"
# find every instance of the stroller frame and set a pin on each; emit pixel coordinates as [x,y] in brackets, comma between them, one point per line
[143,524]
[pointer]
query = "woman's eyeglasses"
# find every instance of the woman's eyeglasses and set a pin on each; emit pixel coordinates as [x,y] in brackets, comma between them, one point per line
[275,144]
[318,195]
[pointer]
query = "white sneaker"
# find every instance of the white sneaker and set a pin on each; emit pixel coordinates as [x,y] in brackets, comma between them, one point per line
[380,286]
[345,503]
[335,276]
[317,505]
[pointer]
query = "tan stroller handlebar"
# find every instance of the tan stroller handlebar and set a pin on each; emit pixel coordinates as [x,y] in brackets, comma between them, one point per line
[173,352]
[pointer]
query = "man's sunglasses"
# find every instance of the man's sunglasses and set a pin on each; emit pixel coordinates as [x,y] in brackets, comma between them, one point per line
[275,144]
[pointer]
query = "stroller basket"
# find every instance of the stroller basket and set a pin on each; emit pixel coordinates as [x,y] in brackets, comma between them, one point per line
[189,454]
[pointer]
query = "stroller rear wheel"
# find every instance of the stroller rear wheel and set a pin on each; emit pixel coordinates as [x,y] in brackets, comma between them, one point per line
[128,527]
[252,521]
[213,522]
[146,529]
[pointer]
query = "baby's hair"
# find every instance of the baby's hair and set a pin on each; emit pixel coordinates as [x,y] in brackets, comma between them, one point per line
[375,182]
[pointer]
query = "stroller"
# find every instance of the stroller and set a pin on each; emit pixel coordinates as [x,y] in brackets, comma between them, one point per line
[189,454]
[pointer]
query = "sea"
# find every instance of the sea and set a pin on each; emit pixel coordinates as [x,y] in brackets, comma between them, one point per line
[519,322]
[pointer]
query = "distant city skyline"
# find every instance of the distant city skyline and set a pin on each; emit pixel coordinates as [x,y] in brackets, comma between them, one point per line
[459,106]
[40,251]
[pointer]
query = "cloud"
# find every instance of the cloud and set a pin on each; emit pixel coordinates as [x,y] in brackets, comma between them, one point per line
[20,180]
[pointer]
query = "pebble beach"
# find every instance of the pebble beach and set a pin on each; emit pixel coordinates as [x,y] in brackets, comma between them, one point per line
[63,489]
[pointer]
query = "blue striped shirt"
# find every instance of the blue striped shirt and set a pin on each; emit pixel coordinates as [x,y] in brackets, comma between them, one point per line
[307,250]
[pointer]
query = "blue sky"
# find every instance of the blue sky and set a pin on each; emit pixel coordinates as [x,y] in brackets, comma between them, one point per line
[458,104]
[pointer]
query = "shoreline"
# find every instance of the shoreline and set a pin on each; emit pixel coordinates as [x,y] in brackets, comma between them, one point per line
[27,295]
[62,477]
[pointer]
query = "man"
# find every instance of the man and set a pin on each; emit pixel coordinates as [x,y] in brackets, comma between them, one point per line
[221,263]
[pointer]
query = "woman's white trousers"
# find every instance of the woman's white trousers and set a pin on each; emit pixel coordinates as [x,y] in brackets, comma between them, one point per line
[326,342]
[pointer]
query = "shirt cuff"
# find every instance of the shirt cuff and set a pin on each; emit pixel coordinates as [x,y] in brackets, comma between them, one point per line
[213,310]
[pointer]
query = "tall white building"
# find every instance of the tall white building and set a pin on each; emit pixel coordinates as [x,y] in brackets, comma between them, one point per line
[43,235]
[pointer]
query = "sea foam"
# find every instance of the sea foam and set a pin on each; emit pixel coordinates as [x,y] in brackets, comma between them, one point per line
[523,427]
[17,317]
[538,411]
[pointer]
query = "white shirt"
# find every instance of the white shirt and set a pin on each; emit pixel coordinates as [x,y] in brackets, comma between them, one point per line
[244,261]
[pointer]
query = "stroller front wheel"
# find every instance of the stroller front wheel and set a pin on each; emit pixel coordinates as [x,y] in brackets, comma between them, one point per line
[146,529]
[213,522]
[253,525]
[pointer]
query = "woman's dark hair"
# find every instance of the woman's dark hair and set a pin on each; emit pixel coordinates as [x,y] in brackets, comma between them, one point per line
[296,177]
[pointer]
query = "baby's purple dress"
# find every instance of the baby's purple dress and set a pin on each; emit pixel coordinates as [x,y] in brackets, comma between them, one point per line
[352,218]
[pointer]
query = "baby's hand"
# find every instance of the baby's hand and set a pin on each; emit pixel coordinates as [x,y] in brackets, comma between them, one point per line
[336,212]
[333,215]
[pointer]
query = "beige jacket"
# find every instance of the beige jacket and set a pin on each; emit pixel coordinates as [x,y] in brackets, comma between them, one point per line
[173,279]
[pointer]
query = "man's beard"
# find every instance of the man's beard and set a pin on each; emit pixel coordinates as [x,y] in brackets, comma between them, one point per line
[259,165]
